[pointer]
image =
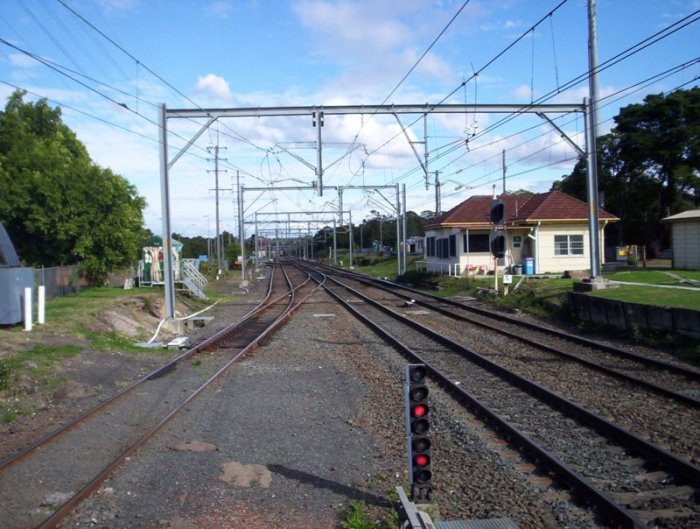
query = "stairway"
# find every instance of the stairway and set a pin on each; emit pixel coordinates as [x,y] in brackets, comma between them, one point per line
[193,279]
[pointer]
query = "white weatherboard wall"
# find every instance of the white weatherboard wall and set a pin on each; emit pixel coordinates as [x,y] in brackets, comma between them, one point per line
[546,261]
[686,244]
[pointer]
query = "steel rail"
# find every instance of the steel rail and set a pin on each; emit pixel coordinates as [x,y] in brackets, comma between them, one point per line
[670,461]
[58,515]
[689,372]
[21,454]
[539,454]
[656,388]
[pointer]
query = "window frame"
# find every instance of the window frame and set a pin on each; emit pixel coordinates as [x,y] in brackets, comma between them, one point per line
[569,245]
[468,246]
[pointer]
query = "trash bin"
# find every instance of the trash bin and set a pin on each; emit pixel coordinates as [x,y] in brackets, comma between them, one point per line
[518,269]
[529,266]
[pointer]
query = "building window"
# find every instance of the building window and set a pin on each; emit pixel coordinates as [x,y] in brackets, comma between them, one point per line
[517,241]
[476,243]
[430,246]
[443,248]
[568,245]
[453,246]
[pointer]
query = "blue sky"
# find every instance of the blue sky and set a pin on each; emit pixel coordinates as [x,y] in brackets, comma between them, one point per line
[316,52]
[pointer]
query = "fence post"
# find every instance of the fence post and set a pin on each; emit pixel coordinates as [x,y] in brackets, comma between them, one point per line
[27,309]
[41,306]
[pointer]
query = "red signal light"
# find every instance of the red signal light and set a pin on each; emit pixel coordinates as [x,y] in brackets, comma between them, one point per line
[421,460]
[419,410]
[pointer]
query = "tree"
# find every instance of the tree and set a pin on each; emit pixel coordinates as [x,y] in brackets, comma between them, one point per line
[58,206]
[661,139]
[648,166]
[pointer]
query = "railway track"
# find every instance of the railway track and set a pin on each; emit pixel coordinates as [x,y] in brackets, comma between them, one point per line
[631,481]
[672,378]
[43,483]
[663,417]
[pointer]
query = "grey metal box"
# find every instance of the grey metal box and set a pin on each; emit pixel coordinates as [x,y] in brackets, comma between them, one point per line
[13,281]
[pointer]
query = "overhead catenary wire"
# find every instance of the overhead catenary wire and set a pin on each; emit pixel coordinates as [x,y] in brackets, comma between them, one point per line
[146,67]
[477,73]
[415,65]
[628,52]
[474,183]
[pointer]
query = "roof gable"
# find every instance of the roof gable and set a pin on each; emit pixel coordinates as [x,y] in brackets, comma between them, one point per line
[691,214]
[553,206]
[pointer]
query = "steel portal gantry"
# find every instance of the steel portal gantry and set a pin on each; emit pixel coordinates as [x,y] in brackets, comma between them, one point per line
[318,113]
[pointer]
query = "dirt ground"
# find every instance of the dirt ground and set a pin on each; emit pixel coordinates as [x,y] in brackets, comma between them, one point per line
[35,404]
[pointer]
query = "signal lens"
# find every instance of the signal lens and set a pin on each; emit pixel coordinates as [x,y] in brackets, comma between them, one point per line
[419,393]
[421,460]
[419,410]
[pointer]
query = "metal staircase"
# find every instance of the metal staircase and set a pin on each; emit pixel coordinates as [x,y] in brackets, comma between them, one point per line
[193,279]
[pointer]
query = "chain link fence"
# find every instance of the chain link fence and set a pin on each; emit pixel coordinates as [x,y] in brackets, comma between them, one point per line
[59,280]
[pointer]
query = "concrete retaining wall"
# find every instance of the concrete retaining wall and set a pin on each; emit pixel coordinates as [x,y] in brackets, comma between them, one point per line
[630,316]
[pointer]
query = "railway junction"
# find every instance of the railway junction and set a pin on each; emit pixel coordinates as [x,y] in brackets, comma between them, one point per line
[289,409]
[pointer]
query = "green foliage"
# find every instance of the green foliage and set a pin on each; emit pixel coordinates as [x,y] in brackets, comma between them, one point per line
[648,166]
[57,205]
[354,517]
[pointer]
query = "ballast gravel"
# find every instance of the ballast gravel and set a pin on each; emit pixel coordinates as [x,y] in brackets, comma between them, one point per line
[312,420]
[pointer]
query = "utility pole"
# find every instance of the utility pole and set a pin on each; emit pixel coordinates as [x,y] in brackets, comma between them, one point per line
[592,188]
[504,170]
[219,259]
[438,193]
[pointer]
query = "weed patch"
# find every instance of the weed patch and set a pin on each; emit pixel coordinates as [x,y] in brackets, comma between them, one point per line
[354,517]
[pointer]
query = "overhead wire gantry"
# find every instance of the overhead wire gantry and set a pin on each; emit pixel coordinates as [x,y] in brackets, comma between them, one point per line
[318,115]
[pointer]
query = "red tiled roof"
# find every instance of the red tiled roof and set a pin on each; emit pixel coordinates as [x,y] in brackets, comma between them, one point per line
[553,206]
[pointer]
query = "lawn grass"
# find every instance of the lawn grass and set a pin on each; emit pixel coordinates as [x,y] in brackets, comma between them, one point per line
[657,297]
[654,276]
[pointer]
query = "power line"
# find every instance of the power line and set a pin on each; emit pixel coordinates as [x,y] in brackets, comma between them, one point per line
[632,50]
[148,69]
[477,73]
[415,65]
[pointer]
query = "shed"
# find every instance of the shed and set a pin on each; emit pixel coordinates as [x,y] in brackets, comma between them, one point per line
[685,239]
[13,281]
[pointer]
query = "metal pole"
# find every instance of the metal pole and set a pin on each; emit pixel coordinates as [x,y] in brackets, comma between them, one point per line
[405,254]
[340,204]
[216,183]
[241,230]
[257,243]
[350,237]
[425,151]
[319,149]
[169,286]
[592,187]
[504,170]
[335,245]
[398,229]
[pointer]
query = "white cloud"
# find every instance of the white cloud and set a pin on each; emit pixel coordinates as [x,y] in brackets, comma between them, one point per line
[351,27]
[213,85]
[21,60]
